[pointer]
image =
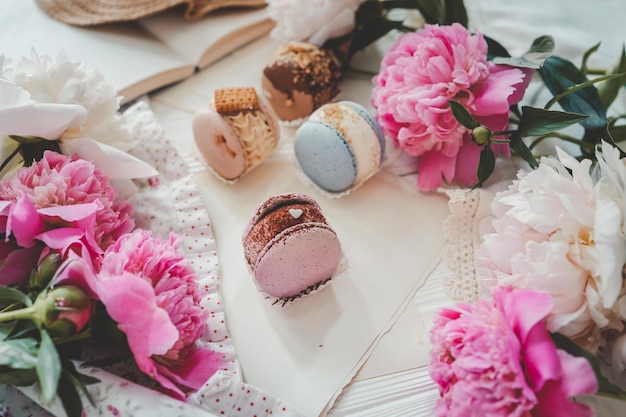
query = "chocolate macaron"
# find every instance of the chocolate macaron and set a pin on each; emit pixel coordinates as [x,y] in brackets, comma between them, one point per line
[290,247]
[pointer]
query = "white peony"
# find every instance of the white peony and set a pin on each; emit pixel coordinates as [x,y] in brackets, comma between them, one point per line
[61,100]
[563,233]
[63,81]
[313,21]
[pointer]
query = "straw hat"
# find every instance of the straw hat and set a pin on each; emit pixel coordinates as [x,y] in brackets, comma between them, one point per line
[95,12]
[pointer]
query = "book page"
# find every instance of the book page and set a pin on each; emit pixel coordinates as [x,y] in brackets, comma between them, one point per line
[128,57]
[208,39]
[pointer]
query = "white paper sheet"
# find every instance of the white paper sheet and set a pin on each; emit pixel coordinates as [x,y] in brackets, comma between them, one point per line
[306,352]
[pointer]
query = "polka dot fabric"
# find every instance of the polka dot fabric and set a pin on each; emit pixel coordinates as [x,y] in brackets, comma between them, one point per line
[172,202]
[231,398]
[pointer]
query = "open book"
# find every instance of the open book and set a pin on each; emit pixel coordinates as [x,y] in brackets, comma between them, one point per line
[136,57]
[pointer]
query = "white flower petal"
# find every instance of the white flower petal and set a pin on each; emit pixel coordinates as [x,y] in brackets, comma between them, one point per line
[113,162]
[12,95]
[44,120]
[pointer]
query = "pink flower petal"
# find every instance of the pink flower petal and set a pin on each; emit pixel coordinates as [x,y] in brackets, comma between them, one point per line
[492,95]
[578,376]
[79,271]
[24,223]
[553,402]
[131,302]
[467,159]
[196,370]
[70,213]
[16,267]
[432,166]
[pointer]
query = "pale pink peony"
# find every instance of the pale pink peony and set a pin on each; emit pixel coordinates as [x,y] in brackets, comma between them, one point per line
[496,358]
[151,291]
[557,230]
[419,74]
[57,202]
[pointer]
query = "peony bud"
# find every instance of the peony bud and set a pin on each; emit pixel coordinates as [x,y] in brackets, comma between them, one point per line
[66,310]
[46,270]
[481,135]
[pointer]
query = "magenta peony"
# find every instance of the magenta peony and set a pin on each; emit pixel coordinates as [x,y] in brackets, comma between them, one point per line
[419,74]
[57,202]
[151,291]
[496,358]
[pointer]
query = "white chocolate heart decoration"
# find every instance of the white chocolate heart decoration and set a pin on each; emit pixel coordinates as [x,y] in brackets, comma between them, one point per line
[295,213]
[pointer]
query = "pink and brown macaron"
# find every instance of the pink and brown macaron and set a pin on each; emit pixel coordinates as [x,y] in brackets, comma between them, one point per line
[236,131]
[290,247]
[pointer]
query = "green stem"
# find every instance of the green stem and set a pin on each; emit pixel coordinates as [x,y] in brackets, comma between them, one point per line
[8,159]
[362,71]
[610,395]
[73,338]
[596,71]
[580,86]
[566,138]
[504,133]
[21,314]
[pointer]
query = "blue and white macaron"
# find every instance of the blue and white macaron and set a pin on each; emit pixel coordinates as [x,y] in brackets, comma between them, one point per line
[339,146]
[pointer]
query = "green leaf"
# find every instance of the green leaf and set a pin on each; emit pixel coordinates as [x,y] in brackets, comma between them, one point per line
[537,122]
[369,33]
[17,377]
[617,133]
[11,295]
[540,50]
[486,165]
[610,88]
[368,11]
[23,328]
[455,12]
[559,75]
[462,115]
[19,353]
[433,11]
[605,386]
[48,367]
[78,379]
[519,147]
[6,329]
[68,394]
[495,48]
[583,66]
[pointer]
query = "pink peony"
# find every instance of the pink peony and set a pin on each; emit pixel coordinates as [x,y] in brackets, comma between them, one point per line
[57,202]
[419,74]
[496,358]
[151,291]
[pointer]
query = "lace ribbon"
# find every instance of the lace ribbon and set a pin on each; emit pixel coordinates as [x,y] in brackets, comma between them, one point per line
[458,230]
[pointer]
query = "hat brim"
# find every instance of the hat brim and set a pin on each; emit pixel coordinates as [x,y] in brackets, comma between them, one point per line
[96,12]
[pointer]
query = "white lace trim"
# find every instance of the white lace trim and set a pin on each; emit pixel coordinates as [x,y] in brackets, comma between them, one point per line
[458,230]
